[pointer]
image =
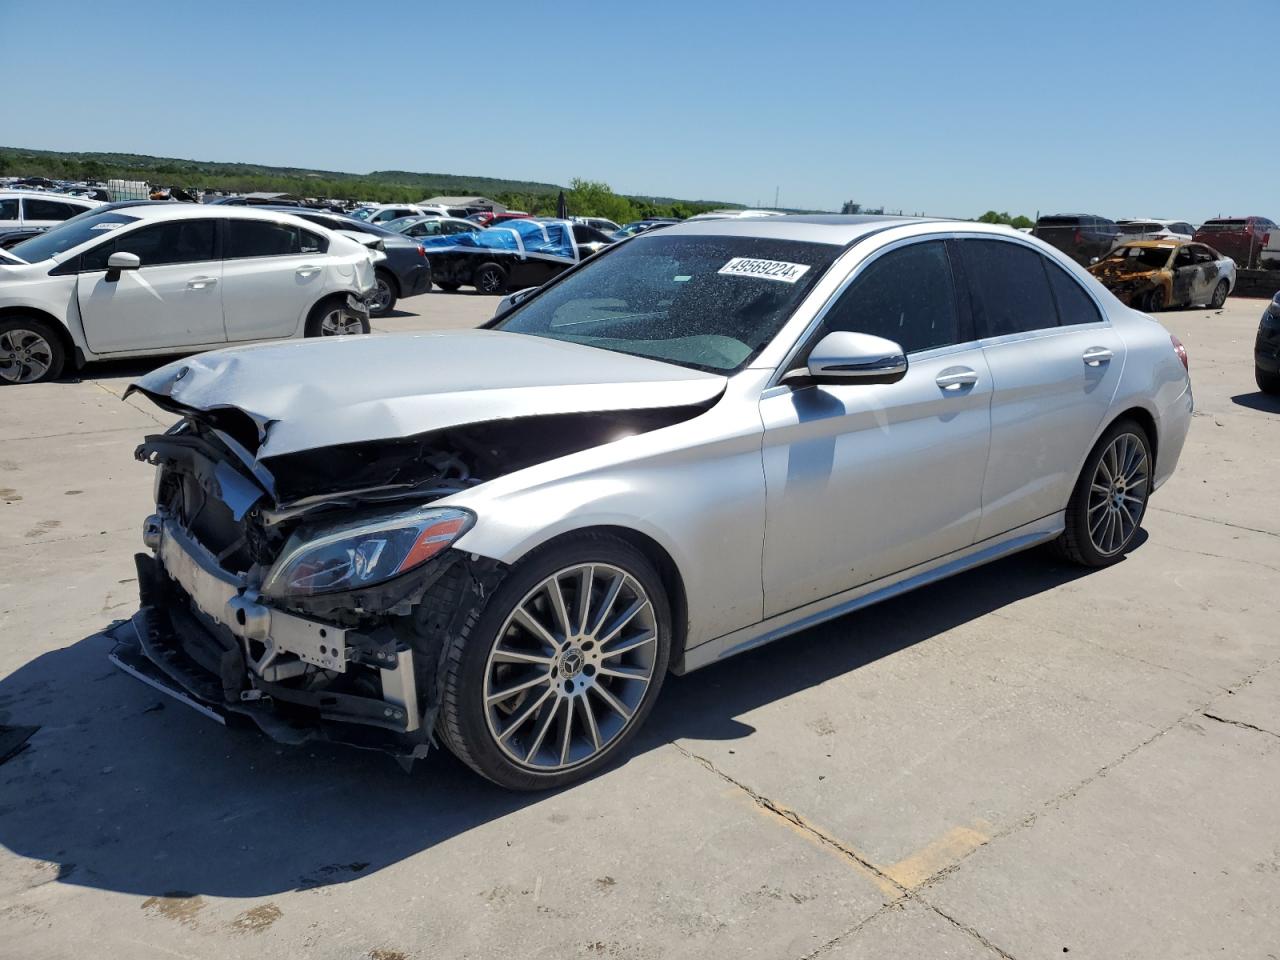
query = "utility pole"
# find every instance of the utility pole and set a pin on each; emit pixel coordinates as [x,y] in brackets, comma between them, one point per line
[775,198]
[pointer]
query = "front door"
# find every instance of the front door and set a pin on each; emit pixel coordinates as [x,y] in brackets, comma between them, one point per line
[1055,364]
[173,300]
[864,480]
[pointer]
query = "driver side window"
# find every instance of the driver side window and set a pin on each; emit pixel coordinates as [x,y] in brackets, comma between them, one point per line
[906,295]
[178,241]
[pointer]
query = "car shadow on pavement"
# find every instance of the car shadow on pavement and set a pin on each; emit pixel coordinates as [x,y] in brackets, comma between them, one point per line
[1257,401]
[126,790]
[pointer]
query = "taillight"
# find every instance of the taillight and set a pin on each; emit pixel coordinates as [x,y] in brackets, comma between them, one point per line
[422,251]
[1181,351]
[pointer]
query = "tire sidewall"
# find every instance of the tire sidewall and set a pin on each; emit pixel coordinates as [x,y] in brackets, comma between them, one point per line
[316,317]
[490,268]
[383,277]
[484,754]
[1078,512]
[43,328]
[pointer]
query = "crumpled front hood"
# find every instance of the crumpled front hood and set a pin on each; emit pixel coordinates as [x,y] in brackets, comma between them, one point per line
[305,394]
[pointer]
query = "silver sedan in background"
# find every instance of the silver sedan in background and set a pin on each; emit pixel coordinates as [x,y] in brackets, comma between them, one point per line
[698,441]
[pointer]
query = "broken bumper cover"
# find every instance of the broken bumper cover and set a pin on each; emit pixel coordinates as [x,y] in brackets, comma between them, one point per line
[200,637]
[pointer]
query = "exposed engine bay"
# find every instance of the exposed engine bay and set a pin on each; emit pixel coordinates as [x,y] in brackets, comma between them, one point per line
[232,624]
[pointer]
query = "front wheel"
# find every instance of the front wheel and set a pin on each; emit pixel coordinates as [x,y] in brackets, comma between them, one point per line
[30,351]
[1110,497]
[1267,382]
[1155,300]
[562,666]
[1219,295]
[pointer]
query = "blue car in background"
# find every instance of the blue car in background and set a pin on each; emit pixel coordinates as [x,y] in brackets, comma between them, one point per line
[512,256]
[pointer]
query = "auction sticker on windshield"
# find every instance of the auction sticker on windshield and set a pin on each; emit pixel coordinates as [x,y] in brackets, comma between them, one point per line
[765,269]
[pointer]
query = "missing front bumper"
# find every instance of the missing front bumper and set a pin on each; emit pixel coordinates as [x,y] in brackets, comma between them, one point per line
[174,645]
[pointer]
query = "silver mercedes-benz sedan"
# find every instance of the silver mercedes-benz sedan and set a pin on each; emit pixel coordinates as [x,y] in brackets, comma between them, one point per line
[701,440]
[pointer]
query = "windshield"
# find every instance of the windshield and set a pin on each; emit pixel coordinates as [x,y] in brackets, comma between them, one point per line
[70,233]
[1152,257]
[711,303]
[364,213]
[1223,226]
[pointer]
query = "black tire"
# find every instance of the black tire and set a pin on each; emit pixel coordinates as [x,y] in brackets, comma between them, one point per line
[1267,382]
[489,278]
[1076,542]
[1219,296]
[462,722]
[448,286]
[31,351]
[316,318]
[1154,301]
[387,293]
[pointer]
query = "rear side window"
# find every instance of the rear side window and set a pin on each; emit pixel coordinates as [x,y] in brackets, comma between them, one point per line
[261,238]
[312,242]
[178,241]
[1074,305]
[37,209]
[1010,288]
[9,209]
[907,296]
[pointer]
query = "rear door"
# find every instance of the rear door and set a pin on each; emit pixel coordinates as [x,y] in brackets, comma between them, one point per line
[864,480]
[1055,363]
[173,300]
[273,273]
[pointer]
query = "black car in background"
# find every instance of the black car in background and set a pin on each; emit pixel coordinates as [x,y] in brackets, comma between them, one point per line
[405,273]
[1081,236]
[1266,349]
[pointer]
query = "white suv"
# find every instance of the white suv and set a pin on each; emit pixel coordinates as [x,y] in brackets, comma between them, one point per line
[175,278]
[386,212]
[27,209]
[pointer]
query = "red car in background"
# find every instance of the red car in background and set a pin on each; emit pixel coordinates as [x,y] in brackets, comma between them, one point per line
[1240,238]
[491,219]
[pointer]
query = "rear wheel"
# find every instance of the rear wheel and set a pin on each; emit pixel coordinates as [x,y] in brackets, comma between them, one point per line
[562,666]
[330,318]
[30,351]
[1267,382]
[1219,295]
[384,295]
[490,278]
[1110,497]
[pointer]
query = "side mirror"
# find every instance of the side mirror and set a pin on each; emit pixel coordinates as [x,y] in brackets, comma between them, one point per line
[123,261]
[119,261]
[1092,261]
[844,357]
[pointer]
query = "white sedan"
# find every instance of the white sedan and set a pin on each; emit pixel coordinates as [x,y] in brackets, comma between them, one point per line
[144,280]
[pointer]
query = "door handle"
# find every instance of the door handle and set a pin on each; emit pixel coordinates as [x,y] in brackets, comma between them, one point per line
[1097,356]
[307,271]
[956,379]
[199,283]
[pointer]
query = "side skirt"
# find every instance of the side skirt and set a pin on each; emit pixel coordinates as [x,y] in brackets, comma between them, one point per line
[820,611]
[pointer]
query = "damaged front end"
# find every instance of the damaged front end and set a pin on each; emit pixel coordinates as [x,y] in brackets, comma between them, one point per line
[315,593]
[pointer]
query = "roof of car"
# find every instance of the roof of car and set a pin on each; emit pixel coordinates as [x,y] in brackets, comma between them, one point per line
[1166,243]
[175,211]
[838,229]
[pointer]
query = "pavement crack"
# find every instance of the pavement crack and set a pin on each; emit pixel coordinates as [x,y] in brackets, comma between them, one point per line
[1221,523]
[965,928]
[1238,723]
[798,821]
[1221,556]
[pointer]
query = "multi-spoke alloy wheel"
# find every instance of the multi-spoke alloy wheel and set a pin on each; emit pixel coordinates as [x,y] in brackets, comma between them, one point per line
[1118,494]
[549,677]
[1110,498]
[570,667]
[29,351]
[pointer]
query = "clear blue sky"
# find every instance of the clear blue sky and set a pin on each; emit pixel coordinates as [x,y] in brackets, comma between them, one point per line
[1164,108]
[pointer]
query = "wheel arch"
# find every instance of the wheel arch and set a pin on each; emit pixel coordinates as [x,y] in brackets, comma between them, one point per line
[73,354]
[668,571]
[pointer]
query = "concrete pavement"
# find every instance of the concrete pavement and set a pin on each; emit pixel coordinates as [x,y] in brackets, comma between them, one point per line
[1027,760]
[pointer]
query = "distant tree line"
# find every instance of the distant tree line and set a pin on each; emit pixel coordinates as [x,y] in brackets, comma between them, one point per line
[584,197]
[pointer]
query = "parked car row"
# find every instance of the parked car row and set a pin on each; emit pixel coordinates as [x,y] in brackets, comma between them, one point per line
[1086,237]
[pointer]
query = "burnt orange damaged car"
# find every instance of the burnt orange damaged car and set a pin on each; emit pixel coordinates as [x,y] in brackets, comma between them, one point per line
[1151,275]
